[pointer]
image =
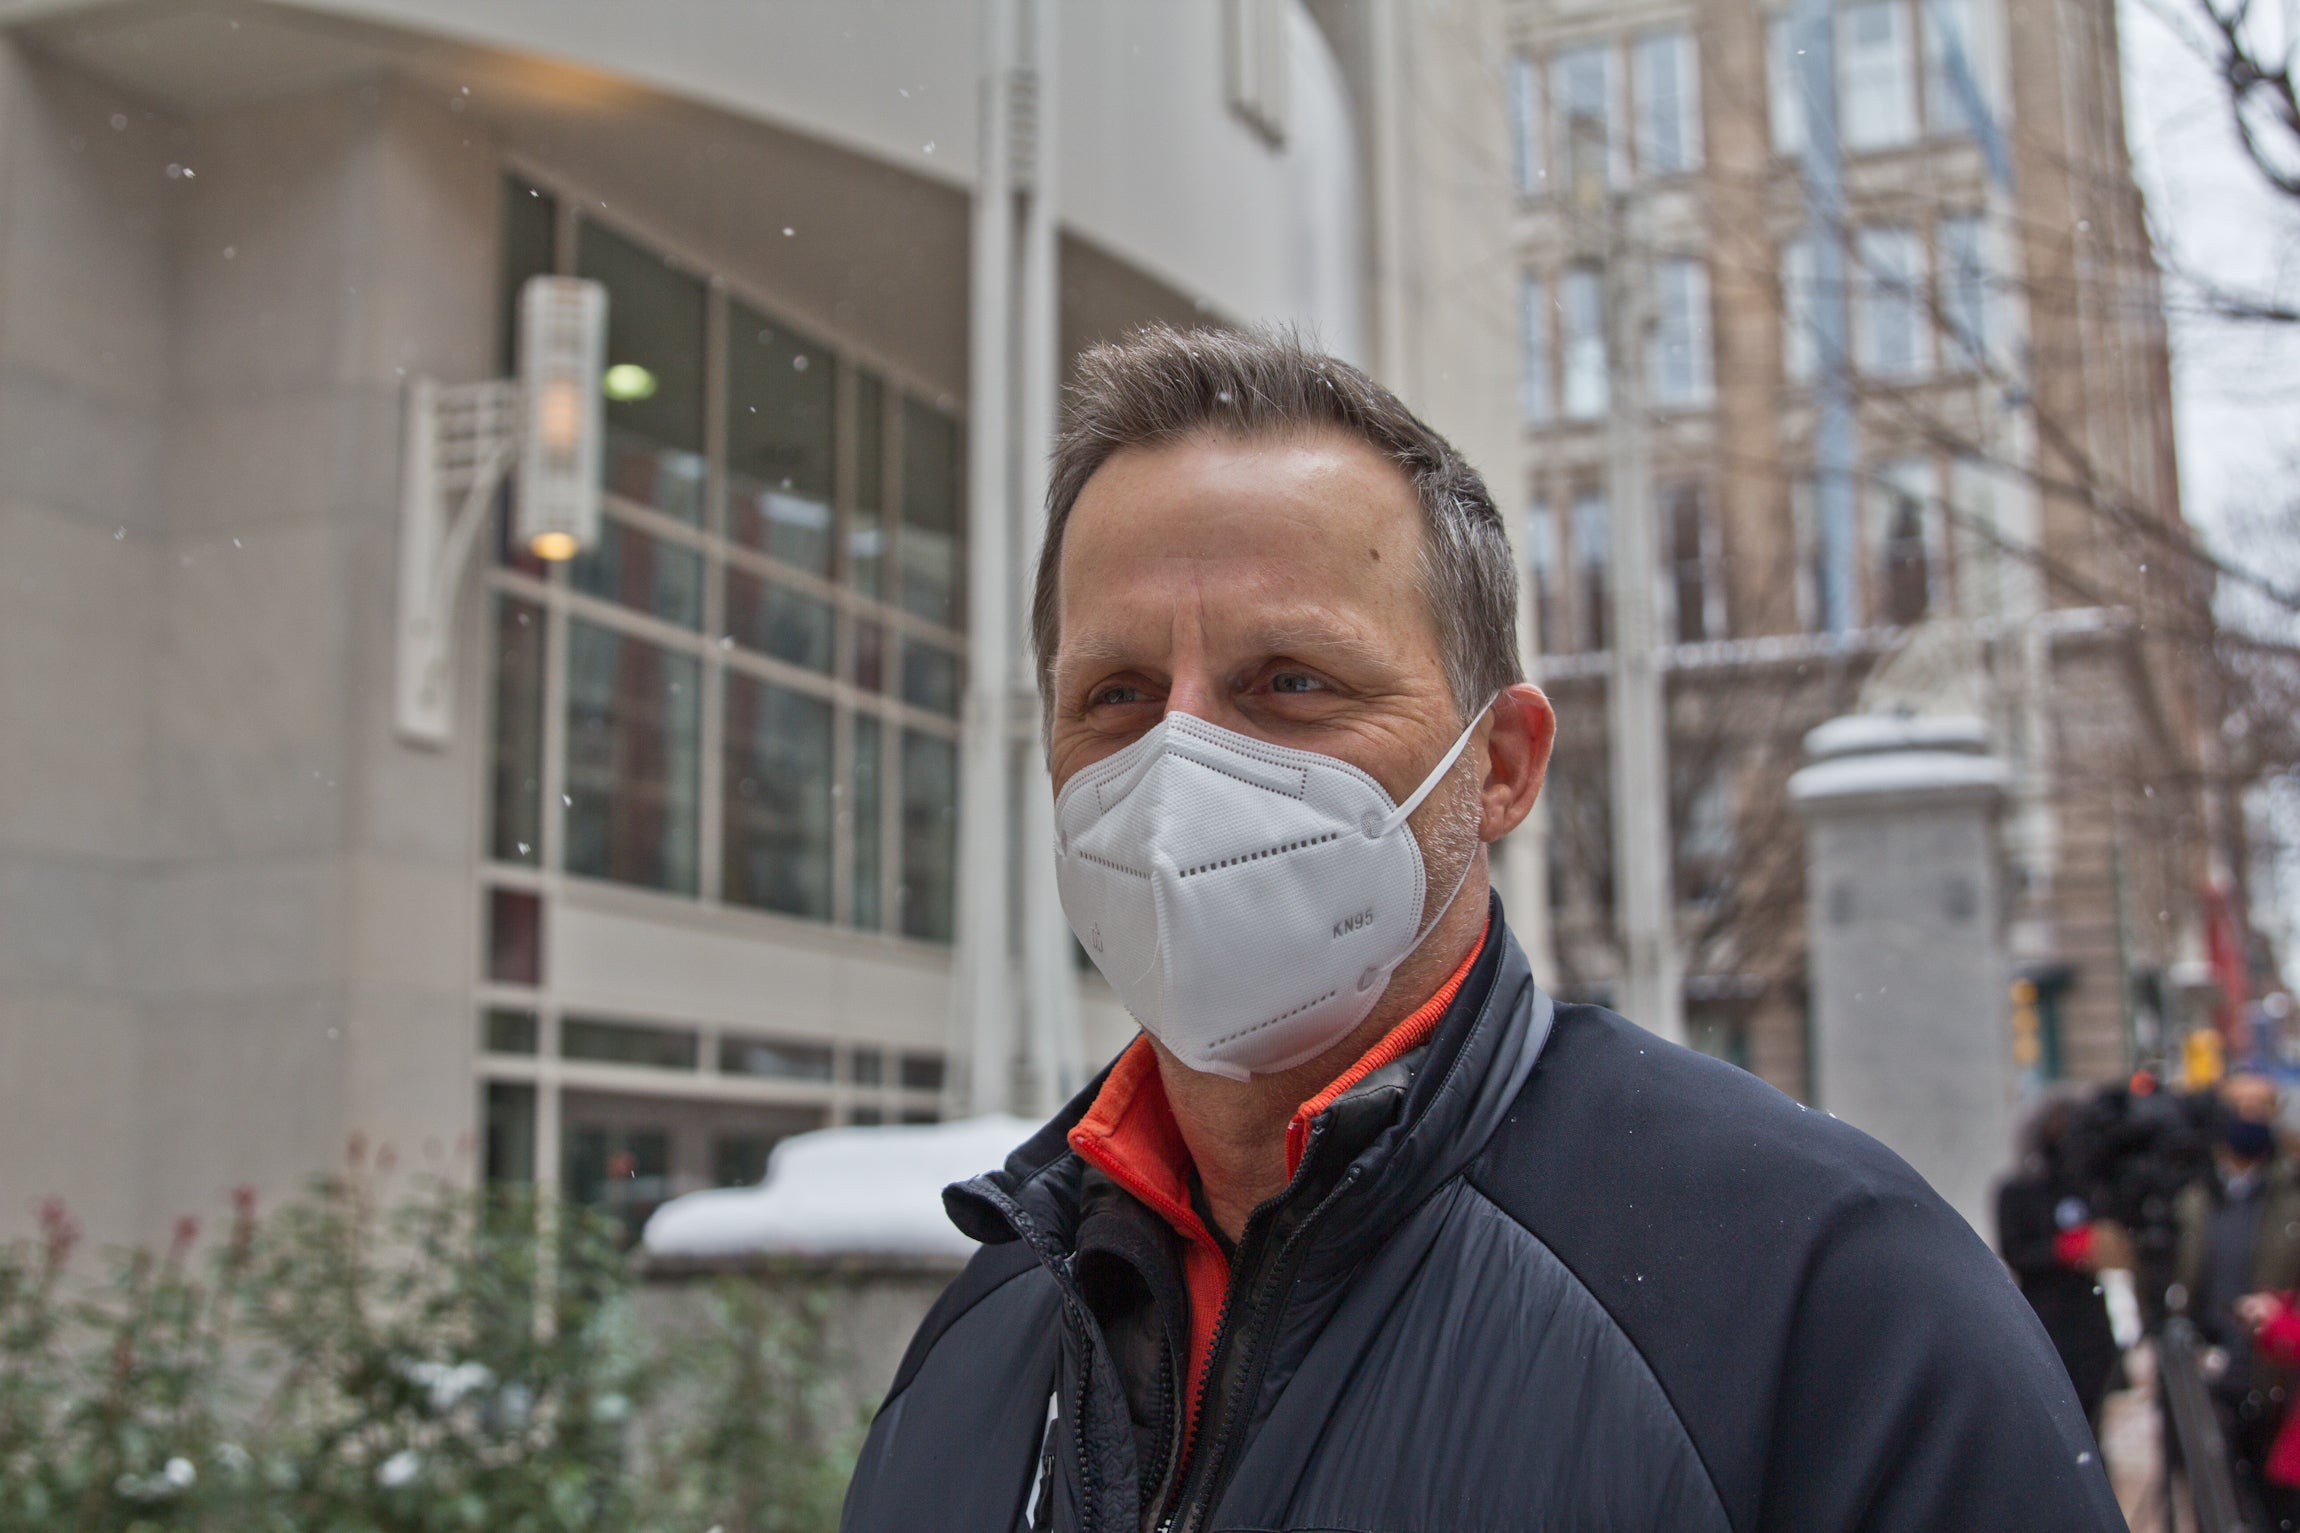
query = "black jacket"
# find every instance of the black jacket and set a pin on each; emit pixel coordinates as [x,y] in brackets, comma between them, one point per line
[2033,1210]
[1546,1272]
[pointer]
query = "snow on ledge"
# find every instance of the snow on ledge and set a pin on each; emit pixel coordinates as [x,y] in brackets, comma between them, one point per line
[839,1191]
[1897,772]
[1870,733]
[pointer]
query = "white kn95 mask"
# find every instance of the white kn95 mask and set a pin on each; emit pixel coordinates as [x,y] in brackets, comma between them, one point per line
[1247,902]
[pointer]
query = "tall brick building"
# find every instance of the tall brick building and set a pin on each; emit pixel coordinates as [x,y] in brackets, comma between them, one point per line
[2015,509]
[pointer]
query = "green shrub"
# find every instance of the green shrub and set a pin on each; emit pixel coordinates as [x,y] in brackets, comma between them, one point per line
[456,1362]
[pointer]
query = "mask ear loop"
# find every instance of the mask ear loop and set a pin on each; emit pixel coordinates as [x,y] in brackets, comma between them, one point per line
[1377,828]
[1398,817]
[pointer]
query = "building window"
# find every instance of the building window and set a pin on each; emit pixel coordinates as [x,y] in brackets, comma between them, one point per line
[1892,340]
[1800,313]
[1581,319]
[1541,559]
[1951,46]
[1704,851]
[1965,289]
[1901,526]
[1696,591]
[1785,85]
[1876,76]
[1255,63]
[1592,553]
[1528,158]
[778,600]
[1678,363]
[1581,92]
[1668,104]
[1533,392]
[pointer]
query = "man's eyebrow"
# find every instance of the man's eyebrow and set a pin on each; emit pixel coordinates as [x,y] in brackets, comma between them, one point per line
[1091,649]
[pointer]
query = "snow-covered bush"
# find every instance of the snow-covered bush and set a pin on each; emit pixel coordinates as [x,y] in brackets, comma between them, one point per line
[453,1362]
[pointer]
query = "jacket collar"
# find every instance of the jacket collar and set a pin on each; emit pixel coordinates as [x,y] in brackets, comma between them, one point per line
[1394,1137]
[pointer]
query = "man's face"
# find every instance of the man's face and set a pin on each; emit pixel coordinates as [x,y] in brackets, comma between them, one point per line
[2251,1098]
[1270,586]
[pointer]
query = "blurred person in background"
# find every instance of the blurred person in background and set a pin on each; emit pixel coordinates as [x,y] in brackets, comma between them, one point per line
[2240,1239]
[2049,1235]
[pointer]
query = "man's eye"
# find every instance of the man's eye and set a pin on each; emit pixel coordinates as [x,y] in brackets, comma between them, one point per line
[1293,681]
[1116,697]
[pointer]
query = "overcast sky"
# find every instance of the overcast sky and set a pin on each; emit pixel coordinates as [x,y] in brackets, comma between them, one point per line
[2236,388]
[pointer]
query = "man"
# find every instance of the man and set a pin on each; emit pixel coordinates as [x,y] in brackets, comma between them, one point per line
[1363,1232]
[2240,1241]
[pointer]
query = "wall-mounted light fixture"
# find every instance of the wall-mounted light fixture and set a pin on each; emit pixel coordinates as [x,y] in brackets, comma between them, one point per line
[462,439]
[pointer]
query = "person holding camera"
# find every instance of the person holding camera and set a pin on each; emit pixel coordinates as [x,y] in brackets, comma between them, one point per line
[2052,1238]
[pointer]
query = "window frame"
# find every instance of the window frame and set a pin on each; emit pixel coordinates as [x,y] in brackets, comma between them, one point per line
[718,654]
[1683,48]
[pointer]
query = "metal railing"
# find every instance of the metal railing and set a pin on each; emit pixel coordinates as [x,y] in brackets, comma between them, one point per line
[2195,1425]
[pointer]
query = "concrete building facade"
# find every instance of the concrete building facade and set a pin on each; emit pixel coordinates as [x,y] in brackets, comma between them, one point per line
[684,879]
[2012,544]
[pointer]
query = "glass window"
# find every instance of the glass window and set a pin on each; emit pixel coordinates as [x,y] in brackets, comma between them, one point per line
[514,937]
[1527,160]
[933,562]
[1533,396]
[920,1115]
[1581,315]
[922,1072]
[645,573]
[1876,75]
[1953,65]
[1800,313]
[1677,364]
[1668,104]
[654,380]
[931,677]
[510,1132]
[866,519]
[780,446]
[622,1170]
[929,835]
[1689,564]
[1541,558]
[1965,288]
[530,244]
[1891,339]
[1581,94]
[867,665]
[867,1067]
[515,779]
[772,619]
[778,1058]
[866,1115]
[632,750]
[865,803]
[1705,846]
[628,1043]
[778,799]
[1592,552]
[824,468]
[509,1030]
[1900,523]
[1785,85]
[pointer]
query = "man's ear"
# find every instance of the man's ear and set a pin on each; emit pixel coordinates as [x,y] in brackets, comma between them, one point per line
[1521,729]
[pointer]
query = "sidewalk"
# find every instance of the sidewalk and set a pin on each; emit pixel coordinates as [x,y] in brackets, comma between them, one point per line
[2132,1443]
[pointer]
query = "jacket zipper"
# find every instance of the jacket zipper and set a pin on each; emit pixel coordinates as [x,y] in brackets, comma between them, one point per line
[1208,1472]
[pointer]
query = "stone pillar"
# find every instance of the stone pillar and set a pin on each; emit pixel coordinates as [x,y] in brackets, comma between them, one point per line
[1907,956]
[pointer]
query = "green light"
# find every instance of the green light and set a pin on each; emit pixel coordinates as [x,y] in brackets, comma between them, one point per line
[626,381]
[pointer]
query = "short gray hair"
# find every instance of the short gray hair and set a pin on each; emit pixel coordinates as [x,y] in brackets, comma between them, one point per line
[1160,385]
